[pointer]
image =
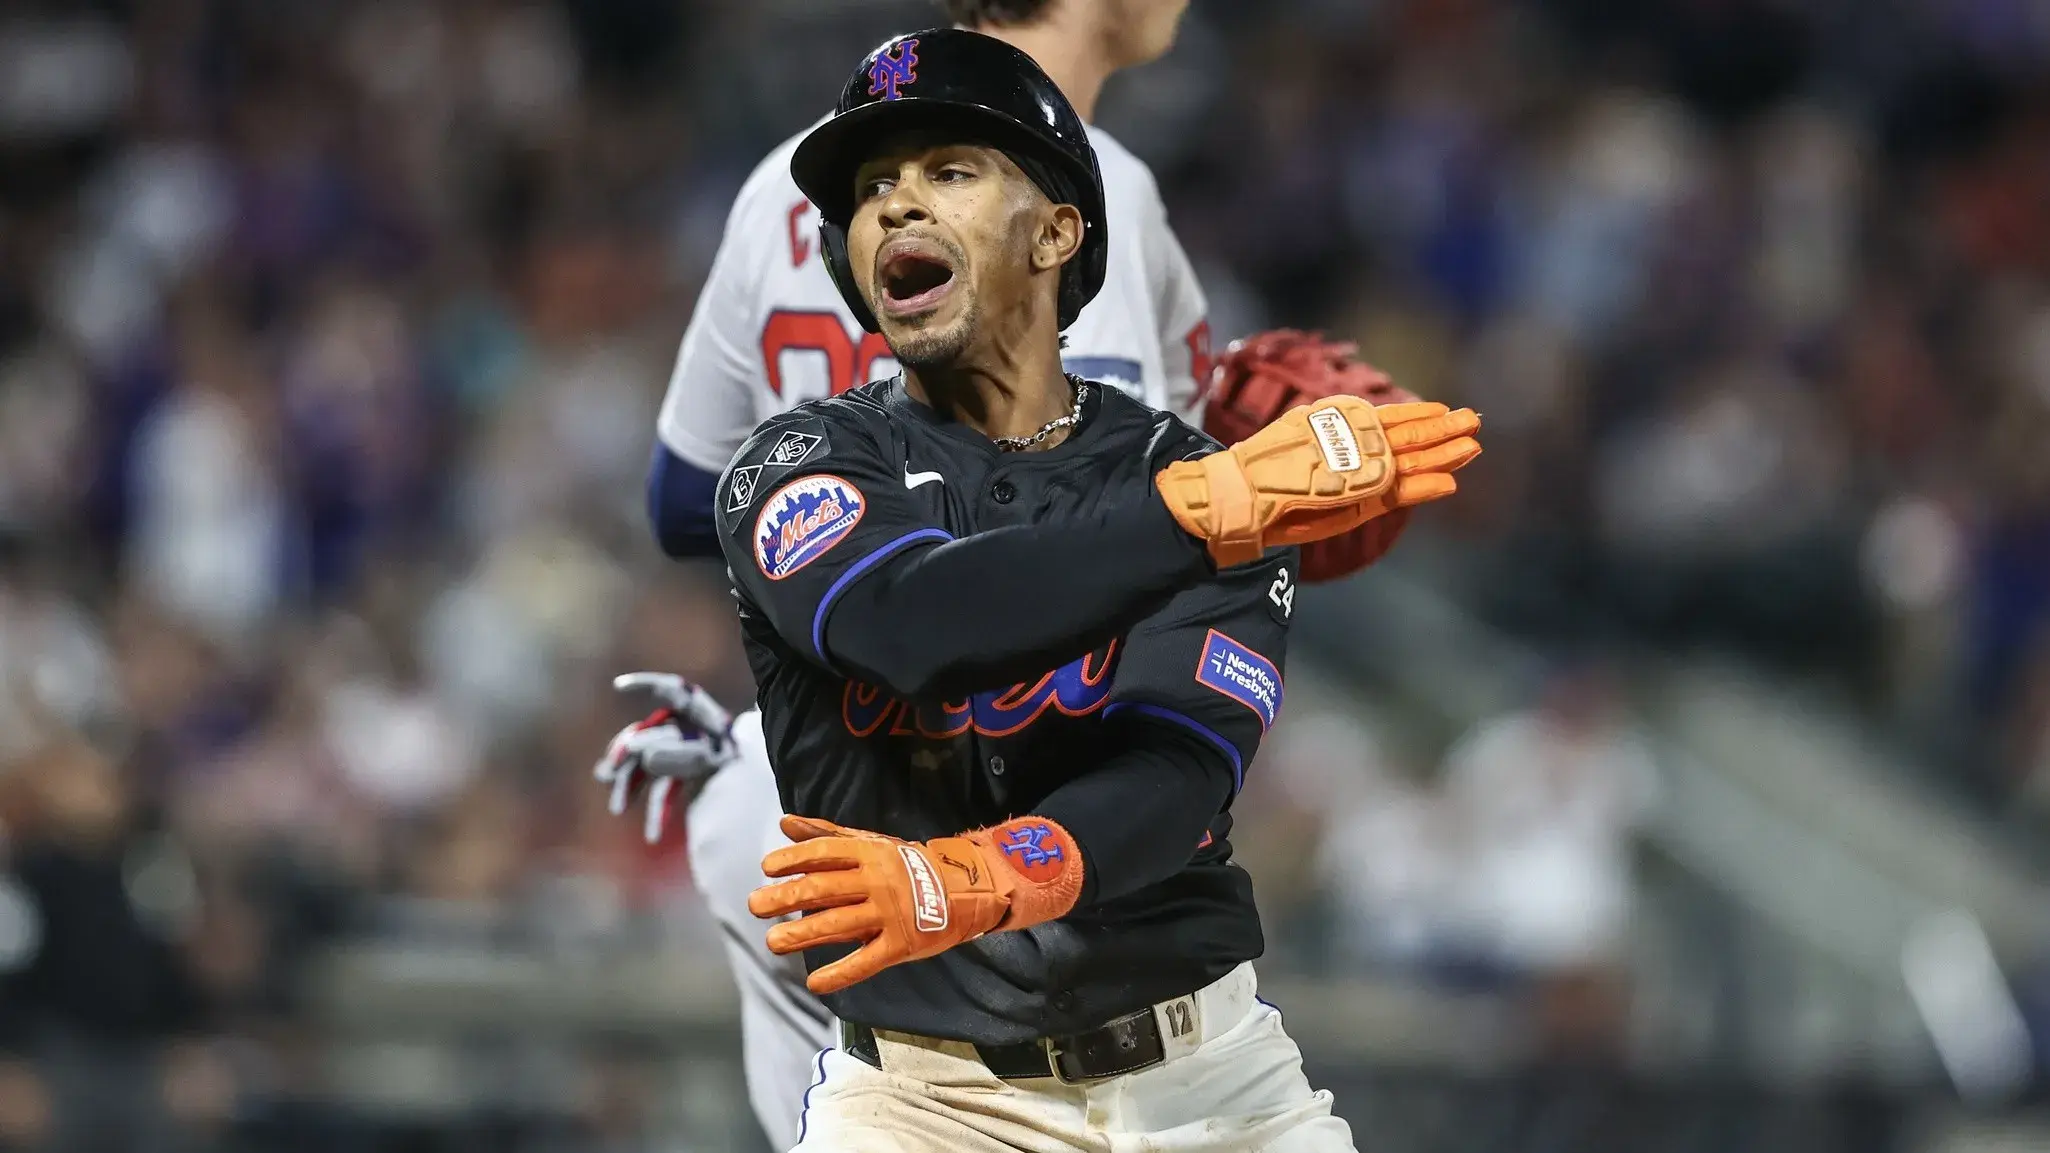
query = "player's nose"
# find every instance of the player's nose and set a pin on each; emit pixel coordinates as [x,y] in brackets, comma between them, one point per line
[905,205]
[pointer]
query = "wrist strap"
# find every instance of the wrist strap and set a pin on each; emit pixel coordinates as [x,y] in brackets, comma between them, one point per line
[1232,510]
[1041,864]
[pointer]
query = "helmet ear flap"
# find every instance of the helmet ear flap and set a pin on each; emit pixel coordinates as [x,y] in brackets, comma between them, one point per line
[833,248]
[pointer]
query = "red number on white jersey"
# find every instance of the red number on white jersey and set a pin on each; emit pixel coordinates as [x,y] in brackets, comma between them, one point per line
[800,234]
[837,362]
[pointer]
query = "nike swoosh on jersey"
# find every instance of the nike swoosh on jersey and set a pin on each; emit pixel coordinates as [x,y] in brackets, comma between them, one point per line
[914,479]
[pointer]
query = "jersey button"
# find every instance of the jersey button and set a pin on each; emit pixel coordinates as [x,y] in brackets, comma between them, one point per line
[1063,1002]
[1003,491]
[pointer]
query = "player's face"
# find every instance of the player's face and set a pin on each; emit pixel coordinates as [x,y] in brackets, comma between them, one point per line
[1141,31]
[950,242]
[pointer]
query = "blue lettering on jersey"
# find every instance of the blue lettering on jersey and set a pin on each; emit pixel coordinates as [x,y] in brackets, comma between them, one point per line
[1076,689]
[1241,674]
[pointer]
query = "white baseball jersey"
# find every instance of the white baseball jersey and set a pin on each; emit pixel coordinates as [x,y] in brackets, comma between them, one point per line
[770,330]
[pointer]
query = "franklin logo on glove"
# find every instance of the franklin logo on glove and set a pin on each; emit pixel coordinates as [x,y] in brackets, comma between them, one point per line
[928,897]
[1334,436]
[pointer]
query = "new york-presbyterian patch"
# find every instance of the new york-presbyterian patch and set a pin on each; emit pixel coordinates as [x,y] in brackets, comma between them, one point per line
[1241,674]
[802,520]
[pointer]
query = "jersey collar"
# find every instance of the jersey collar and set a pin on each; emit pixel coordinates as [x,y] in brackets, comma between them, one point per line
[904,405]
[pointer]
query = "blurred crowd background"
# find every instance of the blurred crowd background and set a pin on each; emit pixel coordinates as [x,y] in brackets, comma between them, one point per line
[1685,784]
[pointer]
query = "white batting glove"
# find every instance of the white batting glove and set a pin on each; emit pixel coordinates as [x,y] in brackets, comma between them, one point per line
[668,753]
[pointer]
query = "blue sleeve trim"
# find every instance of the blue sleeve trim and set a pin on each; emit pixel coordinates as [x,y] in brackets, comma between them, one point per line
[855,570]
[681,500]
[1231,751]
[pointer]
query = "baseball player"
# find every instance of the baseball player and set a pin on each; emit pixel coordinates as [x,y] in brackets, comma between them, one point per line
[1016,637]
[770,330]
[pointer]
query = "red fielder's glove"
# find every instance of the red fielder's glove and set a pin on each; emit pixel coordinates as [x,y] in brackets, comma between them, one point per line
[1259,378]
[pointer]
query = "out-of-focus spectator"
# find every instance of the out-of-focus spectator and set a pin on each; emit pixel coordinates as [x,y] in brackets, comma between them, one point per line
[98,994]
[1545,806]
[1384,857]
[208,529]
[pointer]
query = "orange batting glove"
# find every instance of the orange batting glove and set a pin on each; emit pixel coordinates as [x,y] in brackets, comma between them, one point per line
[1320,470]
[907,901]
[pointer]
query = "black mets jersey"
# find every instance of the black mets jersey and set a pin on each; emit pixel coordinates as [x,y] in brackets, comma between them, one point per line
[945,635]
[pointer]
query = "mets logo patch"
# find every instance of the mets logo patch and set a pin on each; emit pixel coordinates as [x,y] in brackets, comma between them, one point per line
[1033,849]
[803,519]
[1241,674]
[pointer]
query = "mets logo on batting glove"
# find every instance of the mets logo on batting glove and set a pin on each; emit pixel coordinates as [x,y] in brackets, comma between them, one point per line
[1031,848]
[804,519]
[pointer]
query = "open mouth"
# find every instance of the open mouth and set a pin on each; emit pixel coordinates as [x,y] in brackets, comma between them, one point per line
[914,278]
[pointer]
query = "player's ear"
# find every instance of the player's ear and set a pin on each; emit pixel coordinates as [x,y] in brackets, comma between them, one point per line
[1060,237]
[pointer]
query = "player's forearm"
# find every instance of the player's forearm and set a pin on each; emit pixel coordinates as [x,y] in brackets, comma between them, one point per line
[680,506]
[1004,606]
[1140,817]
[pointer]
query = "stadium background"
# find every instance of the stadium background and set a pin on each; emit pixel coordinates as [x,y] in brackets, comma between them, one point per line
[1682,786]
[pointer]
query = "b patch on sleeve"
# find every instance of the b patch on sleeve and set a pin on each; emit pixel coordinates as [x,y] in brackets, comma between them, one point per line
[740,487]
[803,520]
[1241,674]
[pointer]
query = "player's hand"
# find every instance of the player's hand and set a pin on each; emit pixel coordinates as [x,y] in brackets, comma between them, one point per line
[1318,471]
[668,753]
[904,901]
[1259,378]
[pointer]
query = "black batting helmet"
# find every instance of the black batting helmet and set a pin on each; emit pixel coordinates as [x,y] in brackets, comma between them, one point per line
[991,93]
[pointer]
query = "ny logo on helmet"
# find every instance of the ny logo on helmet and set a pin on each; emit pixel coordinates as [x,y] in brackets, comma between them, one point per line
[893,69]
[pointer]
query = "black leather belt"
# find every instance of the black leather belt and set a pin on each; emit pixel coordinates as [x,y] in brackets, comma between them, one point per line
[1126,1045]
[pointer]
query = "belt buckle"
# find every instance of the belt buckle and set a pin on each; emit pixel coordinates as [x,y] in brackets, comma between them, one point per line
[1055,1055]
[1054,1063]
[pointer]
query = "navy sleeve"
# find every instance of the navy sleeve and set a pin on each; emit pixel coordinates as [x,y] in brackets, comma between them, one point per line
[1196,689]
[680,496]
[824,541]
[1140,817]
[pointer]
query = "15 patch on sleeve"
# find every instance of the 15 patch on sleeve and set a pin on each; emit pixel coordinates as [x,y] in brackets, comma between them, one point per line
[1241,674]
[804,519]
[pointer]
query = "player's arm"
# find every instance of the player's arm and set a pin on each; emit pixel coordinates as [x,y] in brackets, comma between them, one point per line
[709,408]
[1197,686]
[680,506]
[823,539]
[853,574]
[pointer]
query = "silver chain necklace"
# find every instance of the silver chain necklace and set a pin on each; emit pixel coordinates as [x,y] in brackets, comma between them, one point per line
[1074,417]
